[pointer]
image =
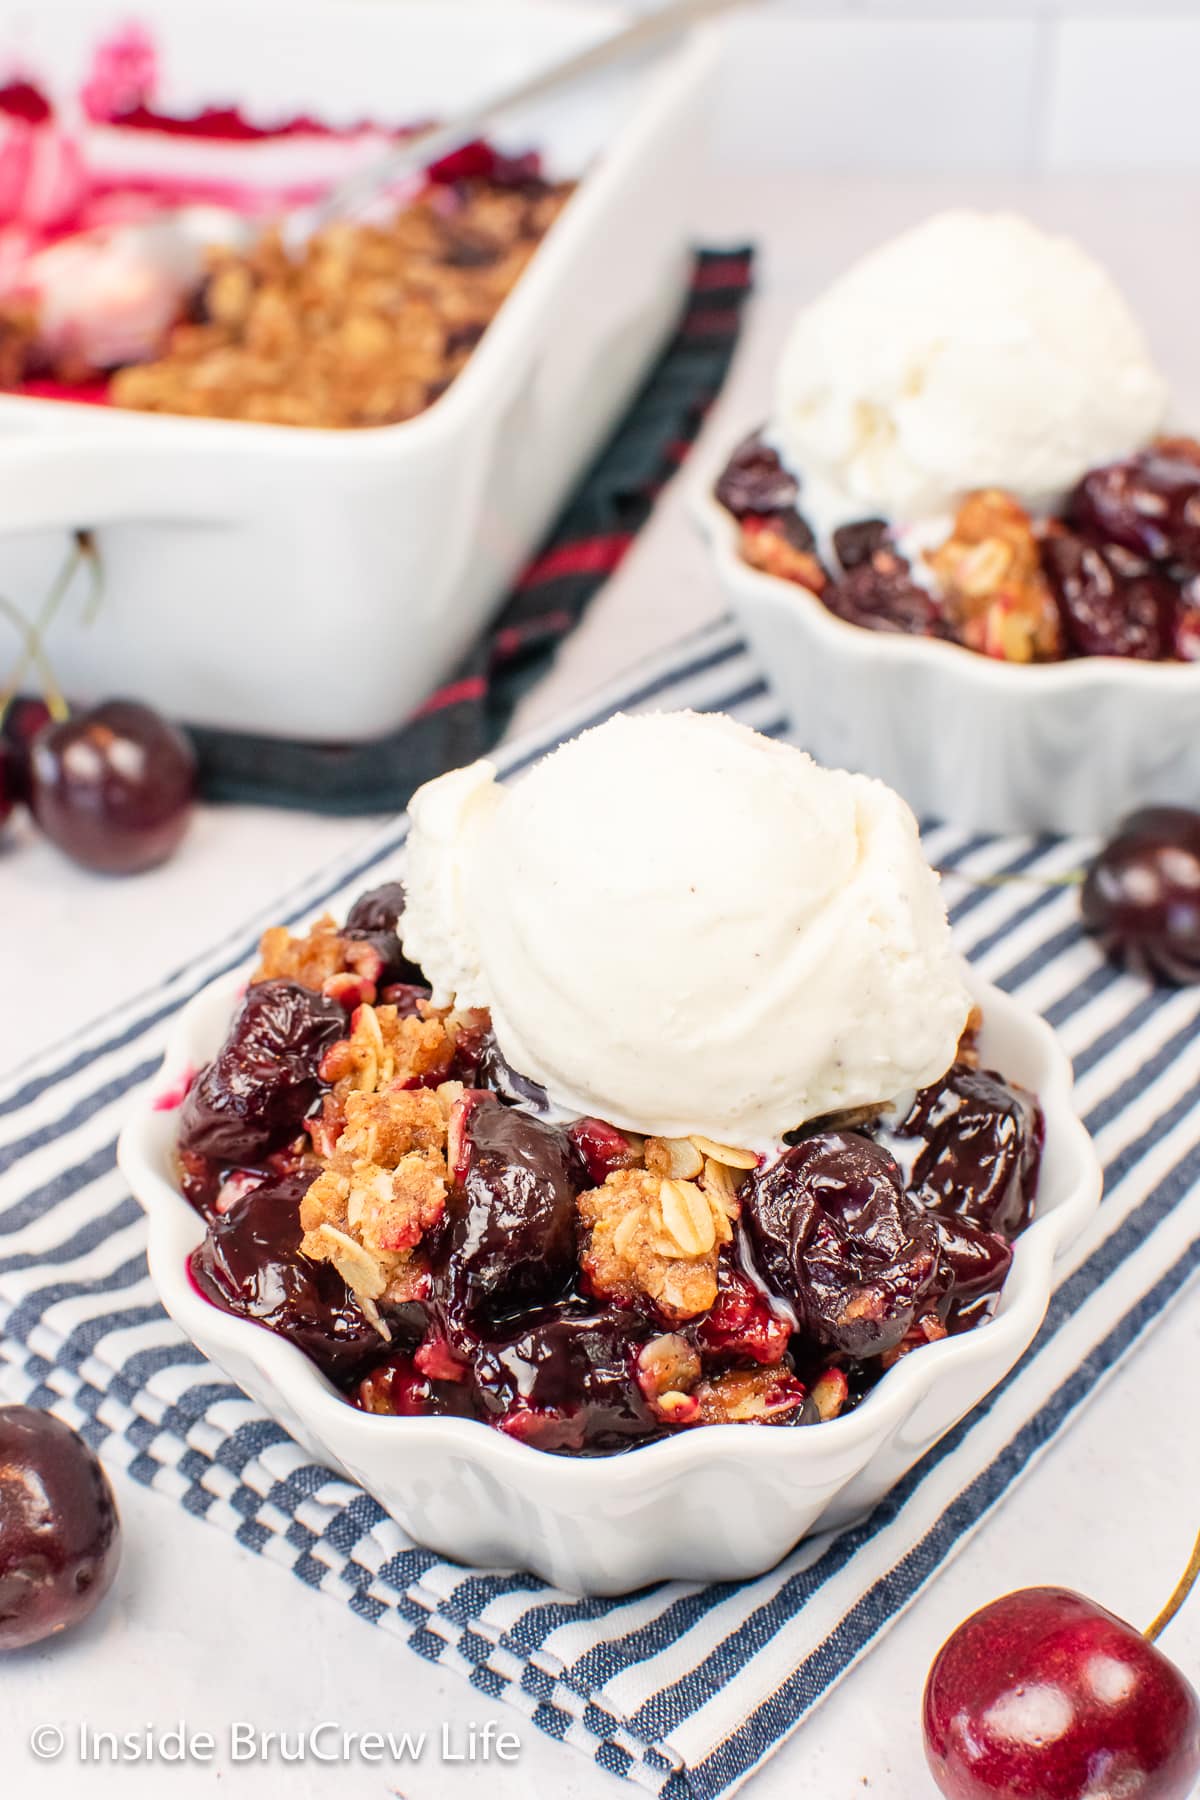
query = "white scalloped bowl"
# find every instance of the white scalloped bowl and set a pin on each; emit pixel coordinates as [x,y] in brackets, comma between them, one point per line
[1065,747]
[722,1502]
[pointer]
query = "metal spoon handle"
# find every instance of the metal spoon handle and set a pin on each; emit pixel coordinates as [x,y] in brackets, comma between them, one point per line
[416,153]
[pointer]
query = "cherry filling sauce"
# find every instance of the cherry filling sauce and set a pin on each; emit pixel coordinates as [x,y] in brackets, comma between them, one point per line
[851,1248]
[1117,574]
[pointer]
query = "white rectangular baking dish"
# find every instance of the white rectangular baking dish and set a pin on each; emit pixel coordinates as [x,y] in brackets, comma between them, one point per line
[318,584]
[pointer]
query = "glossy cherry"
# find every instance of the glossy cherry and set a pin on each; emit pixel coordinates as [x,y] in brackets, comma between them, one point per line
[880,595]
[250,1263]
[23,719]
[113,787]
[9,781]
[509,1233]
[1141,896]
[1043,1695]
[375,919]
[755,481]
[835,1237]
[1147,504]
[565,1380]
[254,1095]
[399,1389]
[742,1324]
[59,1532]
[602,1147]
[970,1146]
[494,1071]
[1111,602]
[858,542]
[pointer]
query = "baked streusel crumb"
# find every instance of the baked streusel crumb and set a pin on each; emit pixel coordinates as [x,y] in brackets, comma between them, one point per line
[367,325]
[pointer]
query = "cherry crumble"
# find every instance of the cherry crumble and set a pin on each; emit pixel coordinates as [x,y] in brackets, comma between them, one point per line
[380,1187]
[1116,574]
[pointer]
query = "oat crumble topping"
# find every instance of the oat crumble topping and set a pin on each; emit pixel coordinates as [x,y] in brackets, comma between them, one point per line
[366,326]
[990,574]
[315,958]
[653,1236]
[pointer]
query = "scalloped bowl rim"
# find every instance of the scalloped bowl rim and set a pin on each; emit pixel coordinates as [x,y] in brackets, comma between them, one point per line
[720,529]
[175,1229]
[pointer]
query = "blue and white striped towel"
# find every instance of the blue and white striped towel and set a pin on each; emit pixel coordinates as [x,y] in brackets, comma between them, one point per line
[682,1688]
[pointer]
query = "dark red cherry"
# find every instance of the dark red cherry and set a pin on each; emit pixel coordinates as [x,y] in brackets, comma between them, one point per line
[494,1072]
[10,781]
[22,722]
[602,1148]
[1149,504]
[970,1146]
[741,1324]
[836,1238]
[508,1238]
[974,1262]
[1111,603]
[880,595]
[475,161]
[375,919]
[858,542]
[398,1388]
[565,1380]
[255,1094]
[1186,640]
[113,787]
[1141,897]
[1044,1695]
[60,1538]
[755,481]
[250,1263]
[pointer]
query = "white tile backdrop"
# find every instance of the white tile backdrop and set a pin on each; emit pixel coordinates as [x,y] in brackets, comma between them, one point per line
[928,85]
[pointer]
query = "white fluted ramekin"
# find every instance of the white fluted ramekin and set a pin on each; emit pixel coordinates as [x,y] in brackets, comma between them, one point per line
[716,1503]
[986,745]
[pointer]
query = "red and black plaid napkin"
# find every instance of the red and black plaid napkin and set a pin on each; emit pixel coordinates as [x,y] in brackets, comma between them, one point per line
[467,716]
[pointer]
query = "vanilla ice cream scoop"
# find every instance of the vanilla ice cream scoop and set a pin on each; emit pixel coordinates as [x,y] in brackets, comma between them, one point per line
[974,351]
[683,927]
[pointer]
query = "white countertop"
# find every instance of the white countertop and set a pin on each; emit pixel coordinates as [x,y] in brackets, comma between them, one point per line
[202,1631]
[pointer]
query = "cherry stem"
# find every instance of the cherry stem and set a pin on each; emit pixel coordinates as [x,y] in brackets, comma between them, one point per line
[34,654]
[32,657]
[86,551]
[1183,1588]
[1073,878]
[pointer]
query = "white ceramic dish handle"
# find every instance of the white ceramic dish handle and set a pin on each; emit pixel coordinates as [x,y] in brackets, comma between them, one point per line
[86,479]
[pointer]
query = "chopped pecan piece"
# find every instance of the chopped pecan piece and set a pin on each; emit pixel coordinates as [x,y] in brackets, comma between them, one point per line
[990,574]
[926,1330]
[1178,449]
[752,1396]
[968,1043]
[782,545]
[830,1392]
[667,1370]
